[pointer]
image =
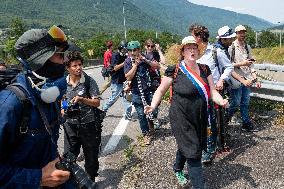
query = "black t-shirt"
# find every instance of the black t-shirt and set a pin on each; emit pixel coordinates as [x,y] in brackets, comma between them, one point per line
[118,76]
[142,72]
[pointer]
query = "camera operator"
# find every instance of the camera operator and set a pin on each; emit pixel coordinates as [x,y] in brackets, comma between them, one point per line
[82,127]
[136,70]
[28,148]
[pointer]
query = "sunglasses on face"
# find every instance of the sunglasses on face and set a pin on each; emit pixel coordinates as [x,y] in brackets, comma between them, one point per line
[152,46]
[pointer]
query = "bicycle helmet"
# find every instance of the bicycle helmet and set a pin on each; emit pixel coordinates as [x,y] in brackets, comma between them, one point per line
[133,45]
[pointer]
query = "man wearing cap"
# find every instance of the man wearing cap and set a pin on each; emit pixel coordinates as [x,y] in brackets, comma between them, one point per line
[219,63]
[136,70]
[117,80]
[28,152]
[244,72]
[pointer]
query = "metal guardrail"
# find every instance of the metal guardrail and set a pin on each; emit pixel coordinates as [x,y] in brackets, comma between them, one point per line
[269,67]
[269,90]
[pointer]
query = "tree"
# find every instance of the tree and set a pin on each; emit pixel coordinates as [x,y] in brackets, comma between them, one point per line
[250,36]
[267,39]
[17,28]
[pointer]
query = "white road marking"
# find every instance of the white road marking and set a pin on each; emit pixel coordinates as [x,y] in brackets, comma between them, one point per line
[116,136]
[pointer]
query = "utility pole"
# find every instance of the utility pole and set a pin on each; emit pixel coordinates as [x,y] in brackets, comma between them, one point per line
[124,22]
[280,39]
[256,40]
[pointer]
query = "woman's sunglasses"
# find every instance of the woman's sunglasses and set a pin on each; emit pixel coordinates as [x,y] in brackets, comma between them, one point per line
[152,46]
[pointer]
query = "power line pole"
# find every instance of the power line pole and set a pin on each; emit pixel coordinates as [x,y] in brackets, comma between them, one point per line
[280,39]
[124,22]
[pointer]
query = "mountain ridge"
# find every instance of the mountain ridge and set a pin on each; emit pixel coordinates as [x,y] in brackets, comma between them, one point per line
[106,15]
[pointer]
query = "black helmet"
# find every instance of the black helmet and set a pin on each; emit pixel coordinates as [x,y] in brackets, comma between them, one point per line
[122,45]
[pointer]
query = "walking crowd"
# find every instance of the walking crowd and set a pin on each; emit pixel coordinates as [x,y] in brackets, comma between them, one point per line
[208,84]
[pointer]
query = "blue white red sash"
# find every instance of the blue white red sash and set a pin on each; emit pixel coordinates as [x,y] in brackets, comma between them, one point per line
[198,82]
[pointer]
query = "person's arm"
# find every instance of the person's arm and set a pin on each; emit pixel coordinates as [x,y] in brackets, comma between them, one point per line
[95,95]
[216,97]
[115,64]
[224,63]
[162,57]
[159,93]
[129,74]
[12,176]
[245,82]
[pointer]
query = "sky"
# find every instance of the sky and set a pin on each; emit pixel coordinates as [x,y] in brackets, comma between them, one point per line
[270,10]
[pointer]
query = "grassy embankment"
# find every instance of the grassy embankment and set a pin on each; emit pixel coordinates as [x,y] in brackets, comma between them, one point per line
[273,55]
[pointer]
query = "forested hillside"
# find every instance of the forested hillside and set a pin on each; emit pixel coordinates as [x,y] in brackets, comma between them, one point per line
[84,17]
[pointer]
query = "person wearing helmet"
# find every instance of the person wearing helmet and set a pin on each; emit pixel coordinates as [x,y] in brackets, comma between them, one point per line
[245,75]
[136,67]
[28,152]
[117,80]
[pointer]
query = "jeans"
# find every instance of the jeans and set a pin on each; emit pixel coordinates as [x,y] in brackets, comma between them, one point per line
[194,168]
[240,97]
[137,102]
[89,137]
[116,90]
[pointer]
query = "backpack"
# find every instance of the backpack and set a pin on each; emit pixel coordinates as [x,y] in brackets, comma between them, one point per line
[234,51]
[99,114]
[7,81]
[106,71]
[232,82]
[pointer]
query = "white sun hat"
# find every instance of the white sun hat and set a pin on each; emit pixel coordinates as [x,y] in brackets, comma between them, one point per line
[225,32]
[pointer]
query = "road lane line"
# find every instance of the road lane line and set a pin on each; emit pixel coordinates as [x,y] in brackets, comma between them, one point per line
[116,136]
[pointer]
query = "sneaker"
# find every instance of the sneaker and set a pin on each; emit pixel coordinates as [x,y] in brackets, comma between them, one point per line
[206,157]
[248,127]
[181,178]
[147,139]
[128,116]
[157,125]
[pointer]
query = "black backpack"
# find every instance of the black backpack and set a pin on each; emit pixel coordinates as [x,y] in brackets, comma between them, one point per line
[99,114]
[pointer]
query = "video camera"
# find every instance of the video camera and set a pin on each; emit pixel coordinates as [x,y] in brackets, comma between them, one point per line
[72,110]
[68,163]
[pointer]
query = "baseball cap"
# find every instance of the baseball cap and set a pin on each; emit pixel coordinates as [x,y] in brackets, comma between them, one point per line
[240,28]
[188,40]
[36,46]
[225,32]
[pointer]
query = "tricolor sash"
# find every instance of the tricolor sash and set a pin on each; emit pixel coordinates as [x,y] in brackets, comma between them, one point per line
[198,82]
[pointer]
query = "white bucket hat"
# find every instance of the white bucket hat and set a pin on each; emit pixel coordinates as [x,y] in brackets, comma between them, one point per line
[225,32]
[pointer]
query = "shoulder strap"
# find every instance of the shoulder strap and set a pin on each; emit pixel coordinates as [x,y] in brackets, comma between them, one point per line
[233,52]
[247,50]
[215,58]
[18,90]
[174,78]
[87,84]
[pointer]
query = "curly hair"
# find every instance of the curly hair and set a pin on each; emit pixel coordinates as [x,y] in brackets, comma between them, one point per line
[73,56]
[200,31]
